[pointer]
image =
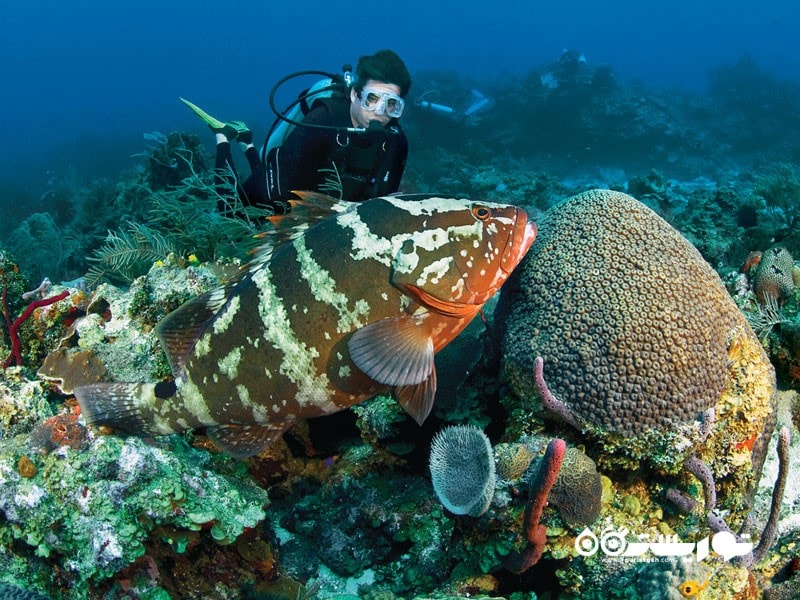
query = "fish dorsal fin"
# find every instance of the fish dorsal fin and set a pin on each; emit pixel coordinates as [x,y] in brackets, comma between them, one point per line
[308,209]
[417,400]
[448,309]
[396,351]
[242,441]
[318,206]
[180,329]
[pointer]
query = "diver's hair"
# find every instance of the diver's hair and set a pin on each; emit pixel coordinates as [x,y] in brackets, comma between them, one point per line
[385,66]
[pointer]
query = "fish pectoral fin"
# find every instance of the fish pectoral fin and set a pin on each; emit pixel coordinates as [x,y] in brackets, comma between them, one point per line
[396,351]
[242,441]
[417,400]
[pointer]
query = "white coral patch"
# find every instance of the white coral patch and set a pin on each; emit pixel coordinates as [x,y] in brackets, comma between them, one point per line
[130,462]
[105,545]
[31,497]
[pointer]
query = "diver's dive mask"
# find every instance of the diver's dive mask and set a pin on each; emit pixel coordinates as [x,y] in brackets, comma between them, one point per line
[382,103]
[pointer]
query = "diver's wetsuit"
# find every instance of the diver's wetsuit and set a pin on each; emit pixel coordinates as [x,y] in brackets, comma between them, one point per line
[366,165]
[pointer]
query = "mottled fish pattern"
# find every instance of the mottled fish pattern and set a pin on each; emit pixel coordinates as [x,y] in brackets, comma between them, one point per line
[354,304]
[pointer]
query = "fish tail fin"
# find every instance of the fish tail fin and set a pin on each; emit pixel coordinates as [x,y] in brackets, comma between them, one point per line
[121,406]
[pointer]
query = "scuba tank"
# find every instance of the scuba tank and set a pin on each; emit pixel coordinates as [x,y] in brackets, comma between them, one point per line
[436,107]
[479,103]
[292,115]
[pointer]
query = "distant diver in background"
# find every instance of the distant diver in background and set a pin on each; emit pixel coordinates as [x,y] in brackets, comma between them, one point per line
[430,101]
[570,70]
[341,137]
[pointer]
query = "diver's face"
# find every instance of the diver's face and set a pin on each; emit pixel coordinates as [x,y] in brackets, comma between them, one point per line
[362,117]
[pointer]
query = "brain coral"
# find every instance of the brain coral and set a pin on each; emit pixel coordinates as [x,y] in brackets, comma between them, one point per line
[633,325]
[773,277]
[512,460]
[578,490]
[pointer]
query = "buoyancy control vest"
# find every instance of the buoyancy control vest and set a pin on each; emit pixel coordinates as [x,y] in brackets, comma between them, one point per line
[362,160]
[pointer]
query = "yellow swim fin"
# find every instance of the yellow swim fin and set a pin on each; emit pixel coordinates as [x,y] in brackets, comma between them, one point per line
[211,121]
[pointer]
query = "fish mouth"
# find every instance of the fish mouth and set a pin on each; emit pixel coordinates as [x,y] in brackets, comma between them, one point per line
[519,242]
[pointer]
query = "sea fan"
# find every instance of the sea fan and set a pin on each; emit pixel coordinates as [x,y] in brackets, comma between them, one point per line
[766,316]
[127,254]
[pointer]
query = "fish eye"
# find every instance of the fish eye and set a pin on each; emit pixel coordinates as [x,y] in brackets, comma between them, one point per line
[481,212]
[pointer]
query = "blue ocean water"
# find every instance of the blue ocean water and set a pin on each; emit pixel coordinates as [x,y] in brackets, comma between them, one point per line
[84,79]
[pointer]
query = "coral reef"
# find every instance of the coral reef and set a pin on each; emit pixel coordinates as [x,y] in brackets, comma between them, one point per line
[343,507]
[540,486]
[92,507]
[773,276]
[92,512]
[23,403]
[633,325]
[577,490]
[512,460]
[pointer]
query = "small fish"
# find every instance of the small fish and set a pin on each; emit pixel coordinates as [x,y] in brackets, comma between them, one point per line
[354,303]
[692,587]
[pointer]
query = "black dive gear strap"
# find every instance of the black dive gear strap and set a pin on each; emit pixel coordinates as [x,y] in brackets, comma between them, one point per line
[339,83]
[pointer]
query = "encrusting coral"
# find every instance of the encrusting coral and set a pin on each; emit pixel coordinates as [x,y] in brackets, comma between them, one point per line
[773,276]
[622,331]
[92,512]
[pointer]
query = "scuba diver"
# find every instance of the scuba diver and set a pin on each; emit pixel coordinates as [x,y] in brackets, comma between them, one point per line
[341,137]
[478,104]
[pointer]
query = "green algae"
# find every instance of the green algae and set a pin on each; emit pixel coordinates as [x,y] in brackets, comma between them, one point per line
[95,512]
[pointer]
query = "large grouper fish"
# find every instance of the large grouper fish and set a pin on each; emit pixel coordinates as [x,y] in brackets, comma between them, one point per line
[355,299]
